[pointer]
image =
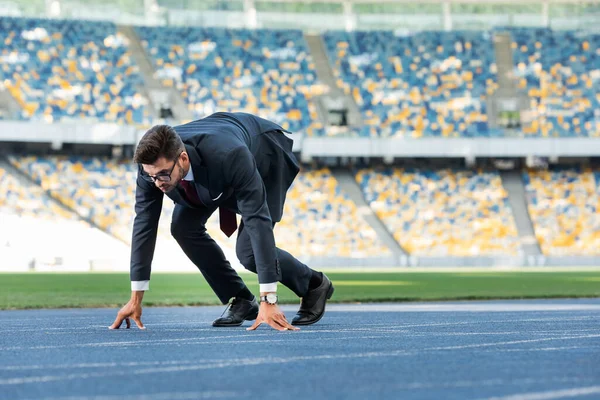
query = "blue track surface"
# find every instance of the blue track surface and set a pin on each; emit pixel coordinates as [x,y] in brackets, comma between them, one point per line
[465,350]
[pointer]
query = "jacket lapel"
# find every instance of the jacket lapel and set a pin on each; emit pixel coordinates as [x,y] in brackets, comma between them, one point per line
[209,184]
[201,174]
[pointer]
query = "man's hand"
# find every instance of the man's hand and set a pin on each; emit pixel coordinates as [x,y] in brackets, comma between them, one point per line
[133,310]
[272,315]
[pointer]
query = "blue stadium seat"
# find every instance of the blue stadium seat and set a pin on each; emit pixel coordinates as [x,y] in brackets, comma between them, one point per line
[265,72]
[103,190]
[560,72]
[563,206]
[425,84]
[442,212]
[66,70]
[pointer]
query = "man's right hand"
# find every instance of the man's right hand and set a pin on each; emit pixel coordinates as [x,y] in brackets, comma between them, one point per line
[272,315]
[131,310]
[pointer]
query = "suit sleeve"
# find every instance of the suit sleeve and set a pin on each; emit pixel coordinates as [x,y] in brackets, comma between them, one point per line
[148,206]
[242,174]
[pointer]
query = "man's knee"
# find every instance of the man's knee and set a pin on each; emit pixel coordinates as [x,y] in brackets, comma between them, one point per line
[247,260]
[181,231]
[177,231]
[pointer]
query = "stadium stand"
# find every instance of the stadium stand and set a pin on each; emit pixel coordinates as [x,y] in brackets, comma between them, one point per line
[103,191]
[27,200]
[321,220]
[413,85]
[563,205]
[100,190]
[560,71]
[265,72]
[317,213]
[442,212]
[29,216]
[425,84]
[62,70]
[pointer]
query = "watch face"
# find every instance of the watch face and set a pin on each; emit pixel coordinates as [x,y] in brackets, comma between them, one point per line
[272,298]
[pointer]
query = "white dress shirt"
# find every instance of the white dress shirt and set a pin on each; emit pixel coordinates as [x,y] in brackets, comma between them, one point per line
[137,286]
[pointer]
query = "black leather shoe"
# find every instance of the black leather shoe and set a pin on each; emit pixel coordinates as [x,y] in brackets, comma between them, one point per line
[238,311]
[312,307]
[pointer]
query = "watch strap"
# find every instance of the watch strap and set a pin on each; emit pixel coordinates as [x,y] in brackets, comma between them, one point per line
[265,299]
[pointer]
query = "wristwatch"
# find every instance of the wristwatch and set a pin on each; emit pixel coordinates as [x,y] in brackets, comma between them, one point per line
[270,298]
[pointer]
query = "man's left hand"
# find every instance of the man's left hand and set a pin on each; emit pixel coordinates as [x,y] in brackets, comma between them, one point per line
[273,316]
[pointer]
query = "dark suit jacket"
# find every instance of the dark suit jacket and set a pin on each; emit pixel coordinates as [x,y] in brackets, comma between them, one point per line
[239,161]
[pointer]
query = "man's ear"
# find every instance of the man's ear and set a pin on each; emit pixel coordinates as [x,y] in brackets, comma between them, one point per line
[184,156]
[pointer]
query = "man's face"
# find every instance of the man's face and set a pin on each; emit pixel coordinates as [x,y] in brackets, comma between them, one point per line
[167,173]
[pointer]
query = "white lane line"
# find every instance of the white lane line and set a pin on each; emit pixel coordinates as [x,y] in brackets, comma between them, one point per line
[132,343]
[141,363]
[385,328]
[528,334]
[206,340]
[553,394]
[180,362]
[562,348]
[411,386]
[156,396]
[477,345]
[260,361]
[463,307]
[203,366]
[90,365]
[20,325]
[97,328]
[496,321]
[489,382]
[97,365]
[405,333]
[466,306]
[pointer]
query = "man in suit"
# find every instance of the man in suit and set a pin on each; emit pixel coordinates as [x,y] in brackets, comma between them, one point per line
[238,163]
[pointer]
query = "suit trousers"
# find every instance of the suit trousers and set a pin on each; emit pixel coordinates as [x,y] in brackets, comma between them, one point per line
[188,227]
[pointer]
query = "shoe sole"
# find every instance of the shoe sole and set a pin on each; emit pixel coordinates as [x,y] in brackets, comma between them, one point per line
[329,294]
[249,318]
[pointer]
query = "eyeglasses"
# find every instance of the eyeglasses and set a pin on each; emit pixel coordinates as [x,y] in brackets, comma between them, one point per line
[163,176]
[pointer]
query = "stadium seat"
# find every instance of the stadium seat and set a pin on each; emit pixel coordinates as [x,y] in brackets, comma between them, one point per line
[265,72]
[321,220]
[442,212]
[563,205]
[38,233]
[99,189]
[25,200]
[425,84]
[324,223]
[560,72]
[66,70]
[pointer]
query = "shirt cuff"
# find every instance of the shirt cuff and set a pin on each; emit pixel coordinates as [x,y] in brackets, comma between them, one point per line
[268,287]
[137,286]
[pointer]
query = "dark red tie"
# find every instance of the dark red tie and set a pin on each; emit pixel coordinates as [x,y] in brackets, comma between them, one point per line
[227,217]
[190,192]
[228,221]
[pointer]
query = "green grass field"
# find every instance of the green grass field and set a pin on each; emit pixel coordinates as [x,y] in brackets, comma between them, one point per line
[41,290]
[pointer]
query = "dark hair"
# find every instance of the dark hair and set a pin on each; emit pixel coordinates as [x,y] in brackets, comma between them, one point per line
[159,141]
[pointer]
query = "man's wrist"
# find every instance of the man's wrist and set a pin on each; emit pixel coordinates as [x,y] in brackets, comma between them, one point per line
[137,296]
[268,288]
